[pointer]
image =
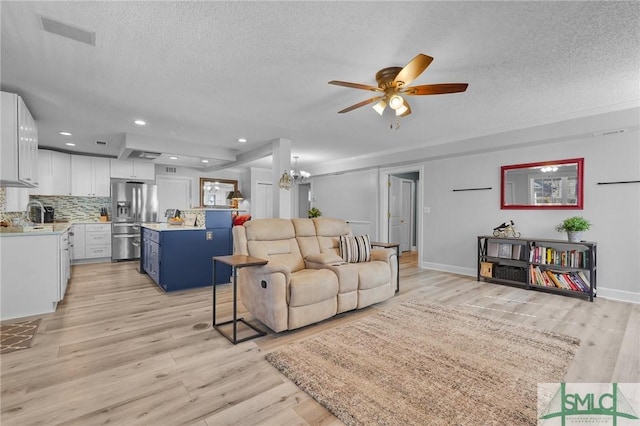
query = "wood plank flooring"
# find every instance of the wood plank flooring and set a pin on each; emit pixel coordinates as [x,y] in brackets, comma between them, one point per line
[119,351]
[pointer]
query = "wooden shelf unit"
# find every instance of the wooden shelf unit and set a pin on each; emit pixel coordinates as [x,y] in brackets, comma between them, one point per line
[553,266]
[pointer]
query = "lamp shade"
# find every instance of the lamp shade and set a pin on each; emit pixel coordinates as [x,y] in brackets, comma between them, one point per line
[237,195]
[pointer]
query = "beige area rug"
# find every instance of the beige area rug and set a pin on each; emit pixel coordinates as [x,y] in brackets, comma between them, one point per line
[16,336]
[427,364]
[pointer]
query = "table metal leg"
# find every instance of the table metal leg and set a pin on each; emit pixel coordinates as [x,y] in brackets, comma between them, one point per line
[234,322]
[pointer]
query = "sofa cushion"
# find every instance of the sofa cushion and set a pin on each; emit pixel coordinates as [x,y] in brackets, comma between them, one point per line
[373,274]
[274,240]
[310,286]
[354,249]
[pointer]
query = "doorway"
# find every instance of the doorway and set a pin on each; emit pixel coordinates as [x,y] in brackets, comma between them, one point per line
[262,207]
[402,216]
[400,203]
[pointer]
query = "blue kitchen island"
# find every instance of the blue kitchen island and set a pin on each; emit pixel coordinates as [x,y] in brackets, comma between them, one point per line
[178,257]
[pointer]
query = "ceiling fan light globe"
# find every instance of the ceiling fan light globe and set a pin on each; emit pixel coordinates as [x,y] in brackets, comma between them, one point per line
[403,108]
[396,102]
[380,106]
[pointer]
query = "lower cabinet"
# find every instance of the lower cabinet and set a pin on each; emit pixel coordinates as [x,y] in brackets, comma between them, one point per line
[91,241]
[34,274]
[182,259]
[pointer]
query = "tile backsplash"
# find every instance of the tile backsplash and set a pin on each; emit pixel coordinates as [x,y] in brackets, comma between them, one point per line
[67,208]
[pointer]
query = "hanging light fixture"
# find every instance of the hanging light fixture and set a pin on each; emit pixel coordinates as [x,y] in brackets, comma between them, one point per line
[298,176]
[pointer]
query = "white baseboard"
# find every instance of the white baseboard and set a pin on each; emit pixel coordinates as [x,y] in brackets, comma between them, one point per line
[472,272]
[619,295]
[603,292]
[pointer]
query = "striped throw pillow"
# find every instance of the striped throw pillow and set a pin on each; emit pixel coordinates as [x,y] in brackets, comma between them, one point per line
[354,249]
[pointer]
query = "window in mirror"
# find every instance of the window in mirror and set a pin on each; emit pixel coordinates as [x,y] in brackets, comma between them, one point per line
[544,185]
[215,193]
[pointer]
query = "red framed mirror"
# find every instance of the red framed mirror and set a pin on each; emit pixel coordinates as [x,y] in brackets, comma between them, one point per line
[544,185]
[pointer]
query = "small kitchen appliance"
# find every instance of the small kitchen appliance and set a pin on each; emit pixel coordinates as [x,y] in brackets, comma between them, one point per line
[35,214]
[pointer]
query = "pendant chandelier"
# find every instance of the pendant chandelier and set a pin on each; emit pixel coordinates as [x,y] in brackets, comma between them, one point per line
[298,176]
[293,176]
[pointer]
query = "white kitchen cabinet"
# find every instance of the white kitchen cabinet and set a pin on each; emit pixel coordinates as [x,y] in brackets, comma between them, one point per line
[77,241]
[90,176]
[91,242]
[34,274]
[54,173]
[141,170]
[18,143]
[15,199]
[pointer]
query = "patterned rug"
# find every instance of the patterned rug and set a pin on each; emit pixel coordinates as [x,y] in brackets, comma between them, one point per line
[16,336]
[427,364]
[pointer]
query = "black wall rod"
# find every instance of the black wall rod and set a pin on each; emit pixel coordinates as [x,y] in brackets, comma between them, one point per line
[471,189]
[615,183]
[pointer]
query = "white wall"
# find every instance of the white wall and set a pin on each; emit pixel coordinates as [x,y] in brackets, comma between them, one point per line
[350,196]
[195,175]
[456,218]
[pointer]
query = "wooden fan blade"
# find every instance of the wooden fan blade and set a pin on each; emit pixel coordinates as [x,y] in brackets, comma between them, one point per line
[360,104]
[435,89]
[412,70]
[355,85]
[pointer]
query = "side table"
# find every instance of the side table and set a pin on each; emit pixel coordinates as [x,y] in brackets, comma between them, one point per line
[236,262]
[395,246]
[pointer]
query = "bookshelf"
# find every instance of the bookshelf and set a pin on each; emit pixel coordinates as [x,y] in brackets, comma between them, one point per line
[553,266]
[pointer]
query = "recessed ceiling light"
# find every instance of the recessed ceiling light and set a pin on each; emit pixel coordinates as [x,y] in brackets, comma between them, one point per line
[140,122]
[70,144]
[205,161]
[173,157]
[242,140]
[63,133]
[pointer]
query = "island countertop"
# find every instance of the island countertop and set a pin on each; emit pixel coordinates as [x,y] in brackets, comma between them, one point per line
[167,227]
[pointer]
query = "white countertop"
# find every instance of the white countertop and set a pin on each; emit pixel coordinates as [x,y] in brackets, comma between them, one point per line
[32,231]
[167,227]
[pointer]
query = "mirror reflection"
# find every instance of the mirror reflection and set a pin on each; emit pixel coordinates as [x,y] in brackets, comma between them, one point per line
[216,193]
[544,185]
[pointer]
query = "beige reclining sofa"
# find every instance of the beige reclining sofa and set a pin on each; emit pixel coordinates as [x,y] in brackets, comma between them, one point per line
[306,279]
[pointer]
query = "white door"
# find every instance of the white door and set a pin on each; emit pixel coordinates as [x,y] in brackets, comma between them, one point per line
[173,193]
[304,199]
[400,200]
[263,203]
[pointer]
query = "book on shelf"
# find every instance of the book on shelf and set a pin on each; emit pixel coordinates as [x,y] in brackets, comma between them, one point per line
[492,249]
[516,251]
[567,280]
[551,256]
[504,250]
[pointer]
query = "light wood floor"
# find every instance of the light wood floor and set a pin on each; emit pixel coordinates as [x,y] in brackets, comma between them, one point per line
[120,351]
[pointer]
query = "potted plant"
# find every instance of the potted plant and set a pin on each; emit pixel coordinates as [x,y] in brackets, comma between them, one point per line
[574,227]
[314,212]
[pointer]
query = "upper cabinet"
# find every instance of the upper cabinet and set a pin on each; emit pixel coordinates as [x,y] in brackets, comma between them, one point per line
[19,144]
[141,170]
[90,176]
[54,172]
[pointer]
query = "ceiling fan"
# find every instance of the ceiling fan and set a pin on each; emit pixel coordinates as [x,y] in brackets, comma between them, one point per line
[393,84]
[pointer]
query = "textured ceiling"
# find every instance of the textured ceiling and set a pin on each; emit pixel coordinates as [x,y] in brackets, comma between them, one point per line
[207,73]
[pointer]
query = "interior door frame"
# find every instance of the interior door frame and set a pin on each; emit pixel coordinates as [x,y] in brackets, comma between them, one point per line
[383,217]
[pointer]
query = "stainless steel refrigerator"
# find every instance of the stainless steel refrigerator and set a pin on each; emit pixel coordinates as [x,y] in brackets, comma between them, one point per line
[131,205]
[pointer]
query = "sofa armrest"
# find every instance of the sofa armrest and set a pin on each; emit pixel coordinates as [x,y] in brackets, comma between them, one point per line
[264,291]
[384,254]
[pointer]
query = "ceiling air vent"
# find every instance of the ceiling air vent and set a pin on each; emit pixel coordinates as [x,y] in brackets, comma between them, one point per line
[171,169]
[68,31]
